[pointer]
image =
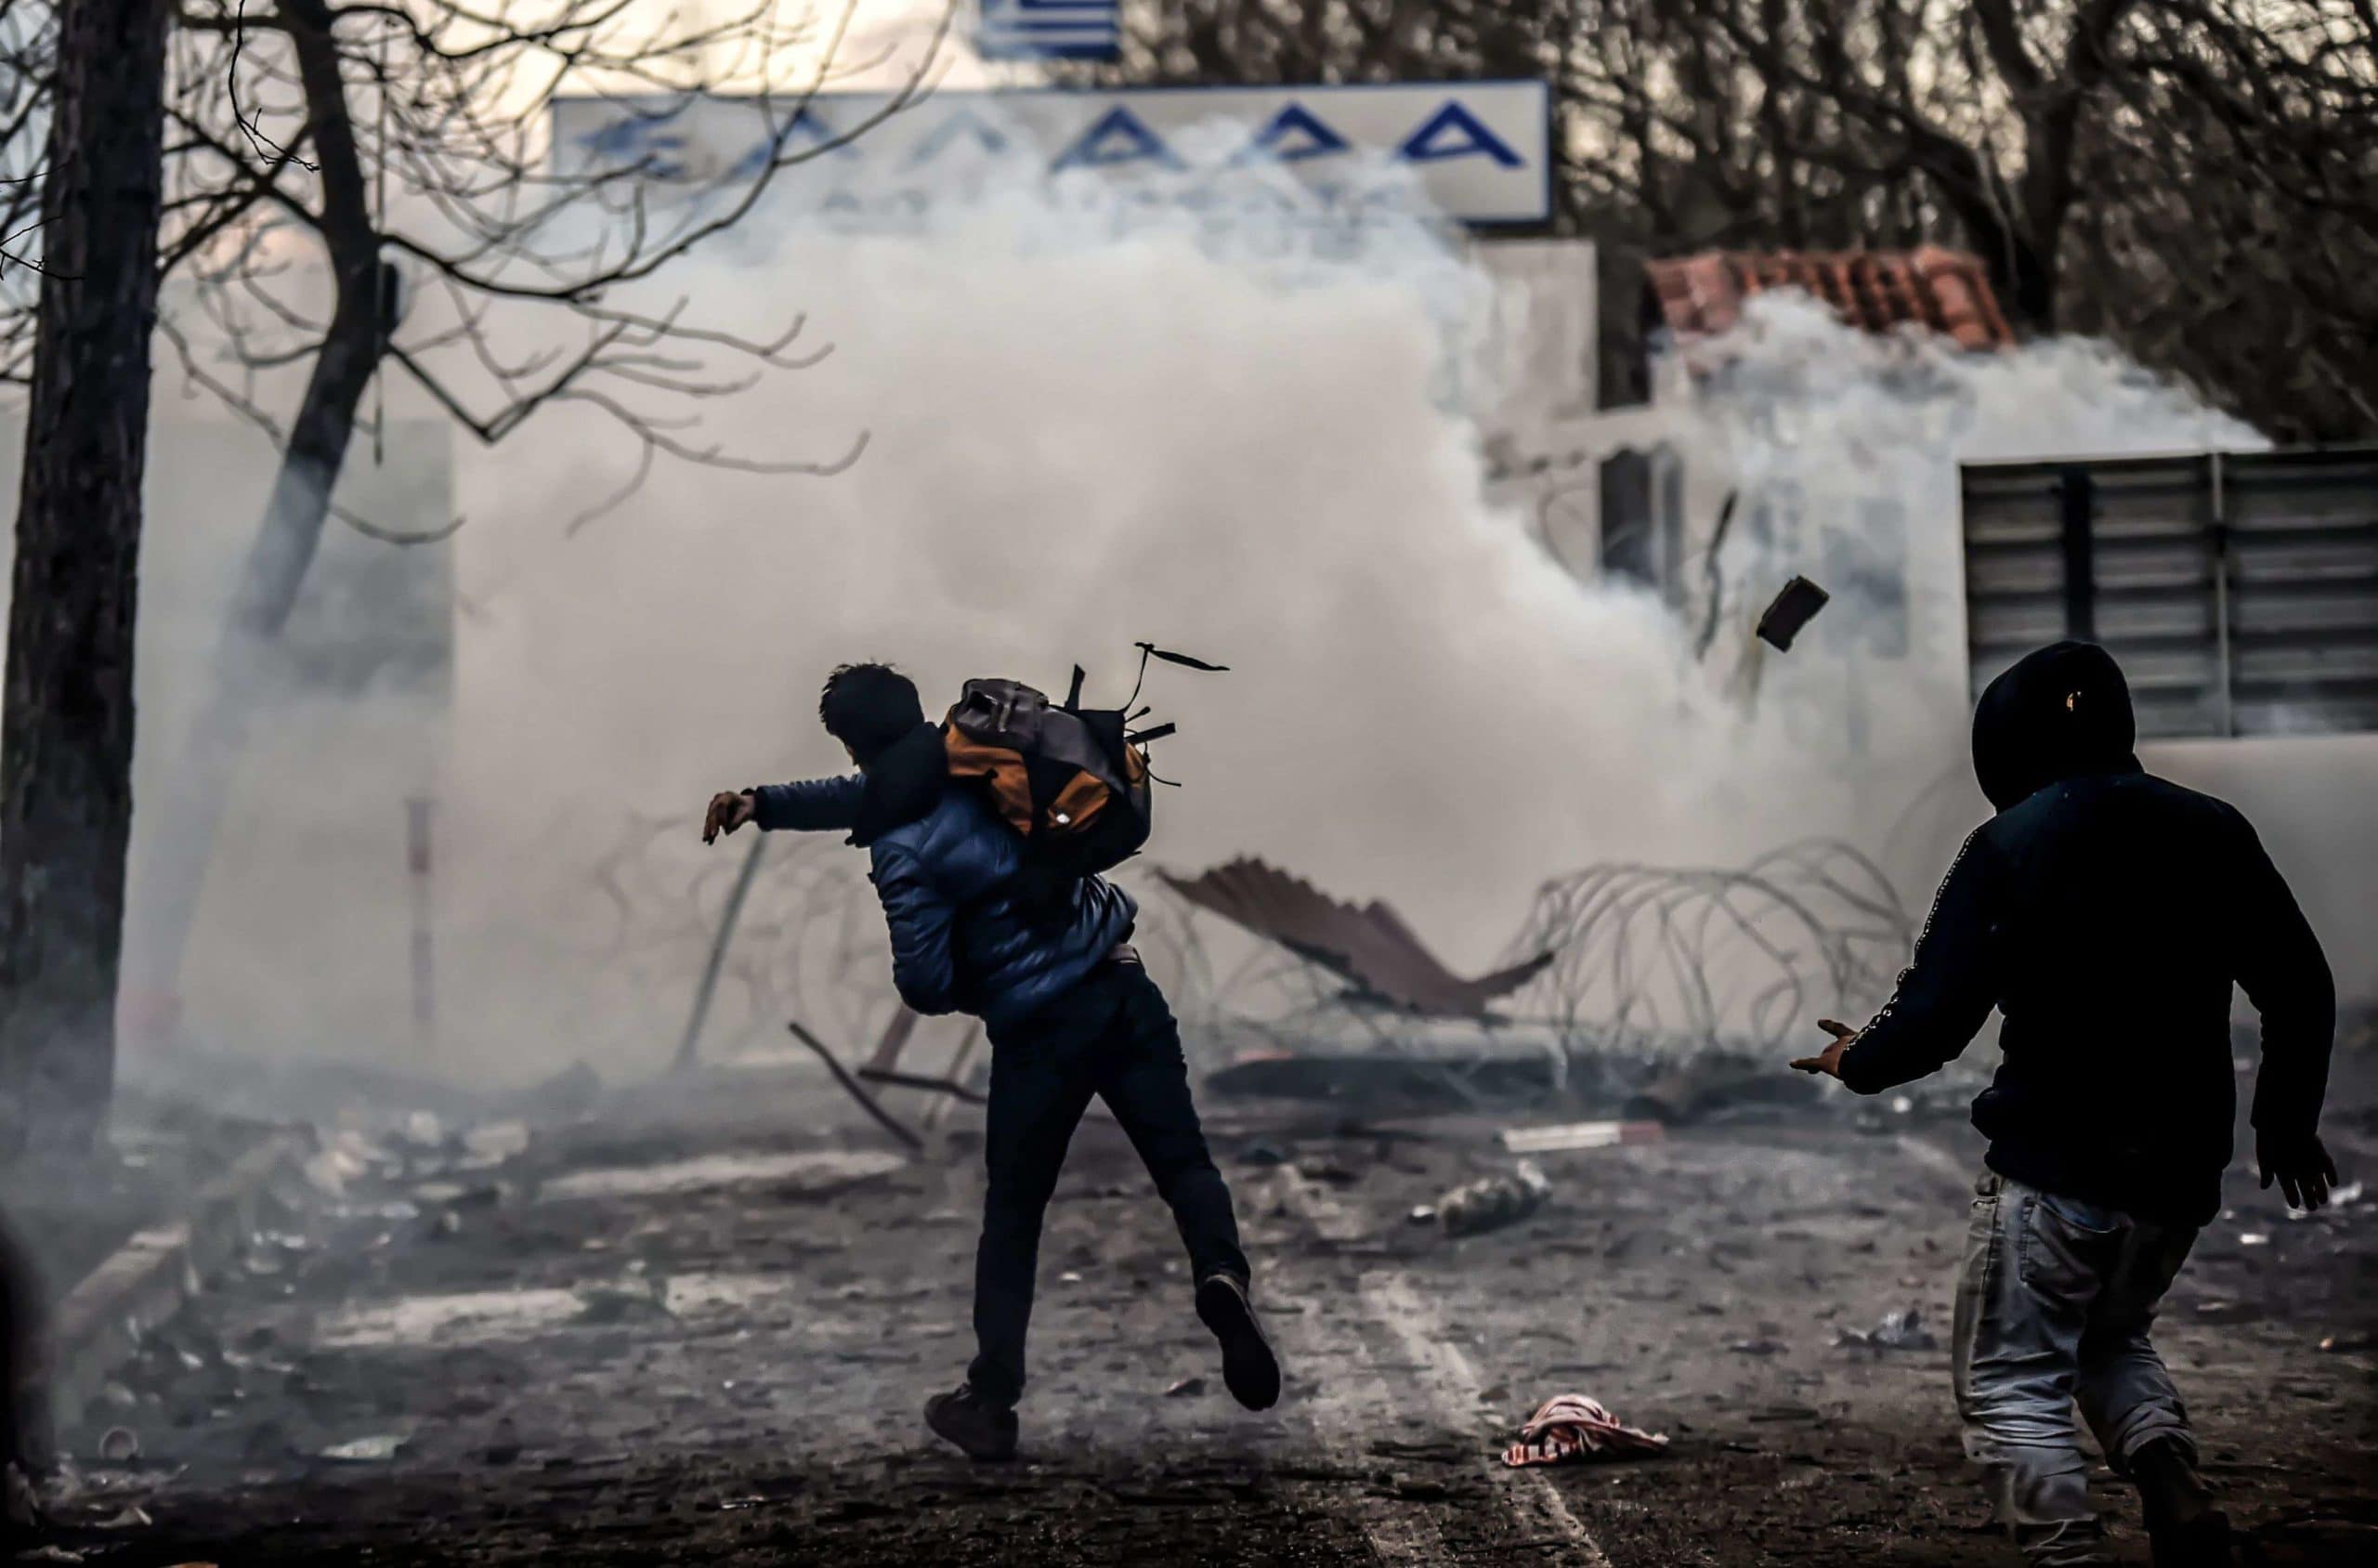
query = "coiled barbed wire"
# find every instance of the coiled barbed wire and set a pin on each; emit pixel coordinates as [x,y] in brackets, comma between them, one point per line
[1745,957]
[1643,956]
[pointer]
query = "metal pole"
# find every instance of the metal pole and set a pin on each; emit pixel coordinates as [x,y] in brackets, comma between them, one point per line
[2222,689]
[424,1011]
[727,919]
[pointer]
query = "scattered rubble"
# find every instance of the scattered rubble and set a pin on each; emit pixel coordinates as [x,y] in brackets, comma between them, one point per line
[632,1301]
[1493,1202]
[1578,1135]
[493,1143]
[1897,1331]
[366,1450]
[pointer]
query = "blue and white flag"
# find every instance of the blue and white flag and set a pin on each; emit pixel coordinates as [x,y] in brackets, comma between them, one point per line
[1050,30]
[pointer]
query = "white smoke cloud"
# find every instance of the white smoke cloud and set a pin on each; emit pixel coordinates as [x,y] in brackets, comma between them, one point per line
[1226,440]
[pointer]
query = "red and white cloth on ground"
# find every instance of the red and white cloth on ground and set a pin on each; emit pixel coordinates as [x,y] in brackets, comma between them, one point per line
[1569,1426]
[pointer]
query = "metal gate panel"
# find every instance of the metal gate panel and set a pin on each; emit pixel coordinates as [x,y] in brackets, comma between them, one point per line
[2238,590]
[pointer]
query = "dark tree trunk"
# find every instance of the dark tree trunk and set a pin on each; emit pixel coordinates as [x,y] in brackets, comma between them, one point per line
[247,658]
[350,350]
[66,757]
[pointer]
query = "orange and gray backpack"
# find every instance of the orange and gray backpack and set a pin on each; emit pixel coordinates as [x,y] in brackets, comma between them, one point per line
[1072,781]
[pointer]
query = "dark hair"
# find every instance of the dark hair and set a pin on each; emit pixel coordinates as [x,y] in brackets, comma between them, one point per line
[867,707]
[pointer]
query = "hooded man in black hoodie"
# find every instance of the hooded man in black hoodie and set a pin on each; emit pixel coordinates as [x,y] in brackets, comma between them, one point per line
[2106,913]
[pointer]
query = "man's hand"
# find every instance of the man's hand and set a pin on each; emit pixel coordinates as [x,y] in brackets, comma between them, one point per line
[727,812]
[1829,1061]
[2300,1166]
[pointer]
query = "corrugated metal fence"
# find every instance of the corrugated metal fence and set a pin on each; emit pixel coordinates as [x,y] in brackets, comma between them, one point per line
[2238,590]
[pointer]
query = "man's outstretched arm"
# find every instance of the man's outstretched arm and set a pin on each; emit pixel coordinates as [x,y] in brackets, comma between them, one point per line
[809,806]
[1943,994]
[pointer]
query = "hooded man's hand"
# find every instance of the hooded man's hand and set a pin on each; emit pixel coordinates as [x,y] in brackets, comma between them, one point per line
[727,812]
[1828,1062]
[2300,1166]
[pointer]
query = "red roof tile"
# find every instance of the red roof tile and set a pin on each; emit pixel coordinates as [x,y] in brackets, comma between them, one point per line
[1941,290]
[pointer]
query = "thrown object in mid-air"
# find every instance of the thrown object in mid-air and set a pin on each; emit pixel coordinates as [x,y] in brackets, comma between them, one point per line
[1793,607]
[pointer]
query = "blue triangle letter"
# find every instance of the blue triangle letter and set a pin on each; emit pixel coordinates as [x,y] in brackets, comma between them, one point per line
[1313,139]
[986,137]
[782,145]
[1095,149]
[1428,145]
[808,122]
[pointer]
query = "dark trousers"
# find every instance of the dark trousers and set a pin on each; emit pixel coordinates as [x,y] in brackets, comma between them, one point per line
[1114,1037]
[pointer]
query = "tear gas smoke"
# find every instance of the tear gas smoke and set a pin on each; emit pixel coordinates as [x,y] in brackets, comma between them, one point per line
[1225,439]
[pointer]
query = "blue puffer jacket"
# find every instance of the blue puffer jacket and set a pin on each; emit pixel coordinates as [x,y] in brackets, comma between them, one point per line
[946,869]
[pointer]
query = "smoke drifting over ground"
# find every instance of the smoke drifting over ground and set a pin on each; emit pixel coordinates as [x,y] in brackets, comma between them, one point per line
[1085,434]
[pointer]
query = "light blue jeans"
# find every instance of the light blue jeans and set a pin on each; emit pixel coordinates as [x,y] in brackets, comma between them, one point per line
[2053,1308]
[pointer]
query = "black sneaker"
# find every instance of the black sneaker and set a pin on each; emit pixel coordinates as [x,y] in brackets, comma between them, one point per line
[2183,1527]
[984,1430]
[1249,1369]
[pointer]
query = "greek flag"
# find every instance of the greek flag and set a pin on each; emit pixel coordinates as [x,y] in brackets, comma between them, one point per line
[1049,29]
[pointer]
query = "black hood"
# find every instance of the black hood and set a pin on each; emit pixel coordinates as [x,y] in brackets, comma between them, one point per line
[2058,713]
[903,783]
